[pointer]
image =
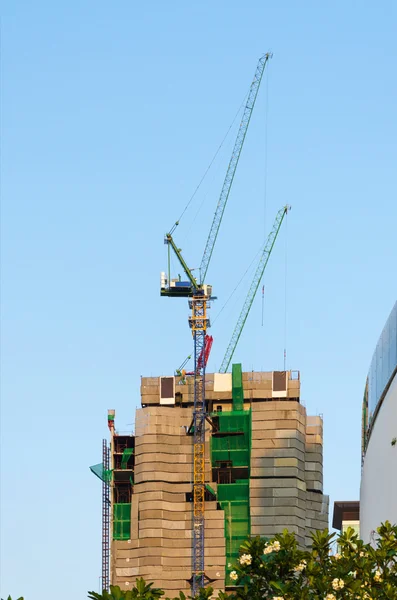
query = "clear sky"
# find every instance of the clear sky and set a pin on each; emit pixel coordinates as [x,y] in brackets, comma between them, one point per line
[111,113]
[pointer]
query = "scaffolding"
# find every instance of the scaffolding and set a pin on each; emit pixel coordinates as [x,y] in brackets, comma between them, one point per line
[230,460]
[122,521]
[105,515]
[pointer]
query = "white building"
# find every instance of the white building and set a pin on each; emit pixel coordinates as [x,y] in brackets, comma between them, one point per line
[378,494]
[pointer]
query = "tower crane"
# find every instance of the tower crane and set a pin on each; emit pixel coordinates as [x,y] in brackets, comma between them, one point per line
[178,372]
[266,252]
[203,357]
[199,295]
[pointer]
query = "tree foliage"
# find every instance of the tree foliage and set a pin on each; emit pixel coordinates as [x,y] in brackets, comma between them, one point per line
[278,569]
[141,591]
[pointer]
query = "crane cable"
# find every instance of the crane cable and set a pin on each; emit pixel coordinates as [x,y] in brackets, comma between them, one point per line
[266,148]
[239,283]
[265,200]
[265,177]
[209,166]
[285,291]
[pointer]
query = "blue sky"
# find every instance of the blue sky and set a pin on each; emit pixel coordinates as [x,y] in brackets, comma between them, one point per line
[111,112]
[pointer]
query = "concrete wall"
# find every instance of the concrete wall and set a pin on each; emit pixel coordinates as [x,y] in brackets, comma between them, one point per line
[160,548]
[257,386]
[286,471]
[285,483]
[378,494]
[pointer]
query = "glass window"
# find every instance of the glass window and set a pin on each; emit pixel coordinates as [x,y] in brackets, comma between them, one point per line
[383,364]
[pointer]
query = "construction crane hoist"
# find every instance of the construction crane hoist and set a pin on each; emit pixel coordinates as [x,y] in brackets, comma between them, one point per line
[199,294]
[181,372]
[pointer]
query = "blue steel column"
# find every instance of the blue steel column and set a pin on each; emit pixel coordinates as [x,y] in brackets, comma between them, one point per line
[199,324]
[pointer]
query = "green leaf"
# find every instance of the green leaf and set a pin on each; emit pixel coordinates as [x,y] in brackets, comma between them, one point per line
[116,593]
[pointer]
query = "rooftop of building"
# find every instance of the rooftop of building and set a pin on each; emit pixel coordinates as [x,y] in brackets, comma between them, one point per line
[219,387]
[347,510]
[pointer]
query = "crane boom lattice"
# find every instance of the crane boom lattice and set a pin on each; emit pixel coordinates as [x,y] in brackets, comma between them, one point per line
[253,288]
[227,184]
[199,294]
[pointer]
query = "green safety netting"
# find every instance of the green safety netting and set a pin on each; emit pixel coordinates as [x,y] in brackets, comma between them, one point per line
[103,474]
[237,387]
[235,447]
[210,489]
[126,455]
[233,497]
[122,521]
[236,492]
[234,421]
[234,500]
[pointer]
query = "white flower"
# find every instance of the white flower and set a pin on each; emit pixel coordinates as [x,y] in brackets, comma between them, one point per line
[300,567]
[378,576]
[268,550]
[353,574]
[276,546]
[338,584]
[278,597]
[330,597]
[245,559]
[233,576]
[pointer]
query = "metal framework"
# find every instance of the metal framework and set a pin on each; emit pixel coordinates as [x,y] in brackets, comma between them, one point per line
[199,302]
[231,170]
[198,323]
[204,354]
[105,517]
[267,250]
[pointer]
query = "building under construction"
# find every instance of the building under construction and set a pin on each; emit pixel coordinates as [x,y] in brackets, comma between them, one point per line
[214,458]
[263,473]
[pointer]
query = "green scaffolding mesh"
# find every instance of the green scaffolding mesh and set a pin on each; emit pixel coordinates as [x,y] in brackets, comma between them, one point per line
[234,500]
[237,387]
[127,452]
[235,447]
[122,521]
[99,471]
[232,443]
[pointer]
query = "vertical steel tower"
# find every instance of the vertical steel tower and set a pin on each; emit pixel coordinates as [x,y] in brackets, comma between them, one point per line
[199,295]
[199,323]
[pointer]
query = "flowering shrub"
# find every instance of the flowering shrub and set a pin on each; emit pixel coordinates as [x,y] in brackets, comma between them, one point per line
[278,570]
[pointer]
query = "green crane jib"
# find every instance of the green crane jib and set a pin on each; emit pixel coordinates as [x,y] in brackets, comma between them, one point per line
[177,287]
[192,285]
[253,288]
[231,170]
[199,295]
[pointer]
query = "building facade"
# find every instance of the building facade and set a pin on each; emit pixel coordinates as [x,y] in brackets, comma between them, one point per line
[346,516]
[378,493]
[263,458]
